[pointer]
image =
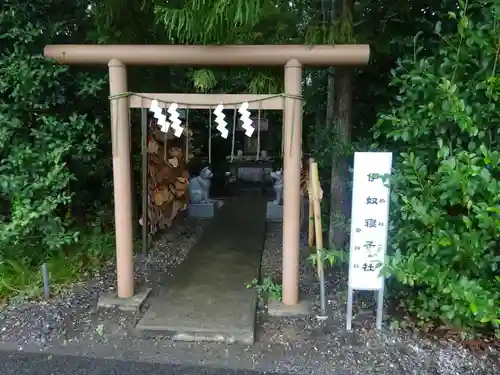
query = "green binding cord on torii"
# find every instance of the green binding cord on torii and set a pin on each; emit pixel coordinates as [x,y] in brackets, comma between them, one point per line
[130,93]
[220,117]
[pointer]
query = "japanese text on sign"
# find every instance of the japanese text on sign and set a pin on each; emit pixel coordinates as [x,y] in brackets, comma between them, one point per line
[369,219]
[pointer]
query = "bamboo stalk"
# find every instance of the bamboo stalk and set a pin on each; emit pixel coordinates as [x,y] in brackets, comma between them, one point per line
[315,188]
[311,206]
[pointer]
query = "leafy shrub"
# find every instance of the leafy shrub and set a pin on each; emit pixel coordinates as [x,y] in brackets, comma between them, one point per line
[42,141]
[446,188]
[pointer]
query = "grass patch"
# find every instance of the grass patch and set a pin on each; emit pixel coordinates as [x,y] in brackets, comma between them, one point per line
[21,266]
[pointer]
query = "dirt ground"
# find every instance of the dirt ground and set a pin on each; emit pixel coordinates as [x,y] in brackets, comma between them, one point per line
[70,324]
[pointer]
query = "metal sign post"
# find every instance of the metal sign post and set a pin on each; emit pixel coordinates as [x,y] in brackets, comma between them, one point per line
[369,222]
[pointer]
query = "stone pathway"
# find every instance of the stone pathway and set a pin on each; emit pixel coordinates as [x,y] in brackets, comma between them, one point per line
[207,298]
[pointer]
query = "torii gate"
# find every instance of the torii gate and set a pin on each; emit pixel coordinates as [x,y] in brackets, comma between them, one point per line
[292,57]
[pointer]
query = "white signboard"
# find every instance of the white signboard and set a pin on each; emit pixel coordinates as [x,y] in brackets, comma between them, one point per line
[369,220]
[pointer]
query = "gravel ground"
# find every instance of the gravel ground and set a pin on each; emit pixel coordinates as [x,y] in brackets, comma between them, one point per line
[364,350]
[73,314]
[302,345]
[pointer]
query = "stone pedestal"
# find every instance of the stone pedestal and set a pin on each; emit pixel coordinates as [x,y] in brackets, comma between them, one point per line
[274,212]
[202,210]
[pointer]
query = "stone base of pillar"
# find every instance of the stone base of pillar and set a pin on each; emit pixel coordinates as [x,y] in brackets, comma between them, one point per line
[279,309]
[132,304]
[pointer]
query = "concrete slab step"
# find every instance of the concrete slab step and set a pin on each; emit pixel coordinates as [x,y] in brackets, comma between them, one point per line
[207,299]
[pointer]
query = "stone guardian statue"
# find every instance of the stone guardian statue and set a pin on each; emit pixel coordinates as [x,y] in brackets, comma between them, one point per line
[277,176]
[199,187]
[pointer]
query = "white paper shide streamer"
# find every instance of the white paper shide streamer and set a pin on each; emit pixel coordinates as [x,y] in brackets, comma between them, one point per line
[245,118]
[221,123]
[164,125]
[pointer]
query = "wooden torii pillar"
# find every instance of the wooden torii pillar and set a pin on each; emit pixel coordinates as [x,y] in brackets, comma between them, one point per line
[292,57]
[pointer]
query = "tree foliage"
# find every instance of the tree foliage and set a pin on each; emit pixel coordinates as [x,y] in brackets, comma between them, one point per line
[446,197]
[43,136]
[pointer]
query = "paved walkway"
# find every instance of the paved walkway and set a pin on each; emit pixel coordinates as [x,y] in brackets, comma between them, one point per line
[16,363]
[207,298]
